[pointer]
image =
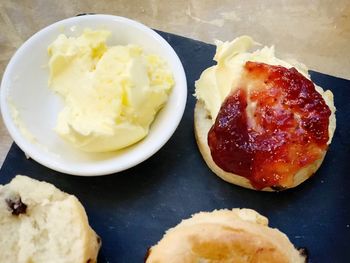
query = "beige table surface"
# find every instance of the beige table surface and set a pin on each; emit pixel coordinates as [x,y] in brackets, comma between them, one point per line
[314,32]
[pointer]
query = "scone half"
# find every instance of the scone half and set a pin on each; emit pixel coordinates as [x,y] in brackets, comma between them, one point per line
[41,224]
[260,122]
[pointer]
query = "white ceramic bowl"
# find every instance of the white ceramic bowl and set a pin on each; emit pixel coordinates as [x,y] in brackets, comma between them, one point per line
[24,86]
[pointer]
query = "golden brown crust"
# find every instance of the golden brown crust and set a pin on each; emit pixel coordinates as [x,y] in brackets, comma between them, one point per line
[202,125]
[238,235]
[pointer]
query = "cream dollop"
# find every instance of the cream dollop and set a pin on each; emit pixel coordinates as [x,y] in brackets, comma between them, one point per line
[111,94]
[218,81]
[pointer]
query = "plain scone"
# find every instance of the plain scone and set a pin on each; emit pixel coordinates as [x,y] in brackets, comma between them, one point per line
[41,224]
[203,123]
[225,236]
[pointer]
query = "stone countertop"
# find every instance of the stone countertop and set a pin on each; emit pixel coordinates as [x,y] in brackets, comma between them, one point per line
[315,32]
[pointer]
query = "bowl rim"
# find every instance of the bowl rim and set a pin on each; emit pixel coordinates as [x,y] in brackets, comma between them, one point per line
[102,168]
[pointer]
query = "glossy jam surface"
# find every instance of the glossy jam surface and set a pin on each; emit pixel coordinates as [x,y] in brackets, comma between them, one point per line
[272,125]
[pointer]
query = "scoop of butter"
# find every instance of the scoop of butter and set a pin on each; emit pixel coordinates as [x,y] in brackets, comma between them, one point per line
[111,94]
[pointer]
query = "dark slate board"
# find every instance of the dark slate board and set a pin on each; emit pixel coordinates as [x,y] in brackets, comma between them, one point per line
[131,210]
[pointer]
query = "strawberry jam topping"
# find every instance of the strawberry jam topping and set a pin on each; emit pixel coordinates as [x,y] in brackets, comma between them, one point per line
[271,126]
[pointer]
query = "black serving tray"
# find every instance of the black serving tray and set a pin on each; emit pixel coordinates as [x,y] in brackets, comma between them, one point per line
[132,209]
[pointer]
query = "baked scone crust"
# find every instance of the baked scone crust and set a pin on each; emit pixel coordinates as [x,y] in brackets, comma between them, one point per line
[237,235]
